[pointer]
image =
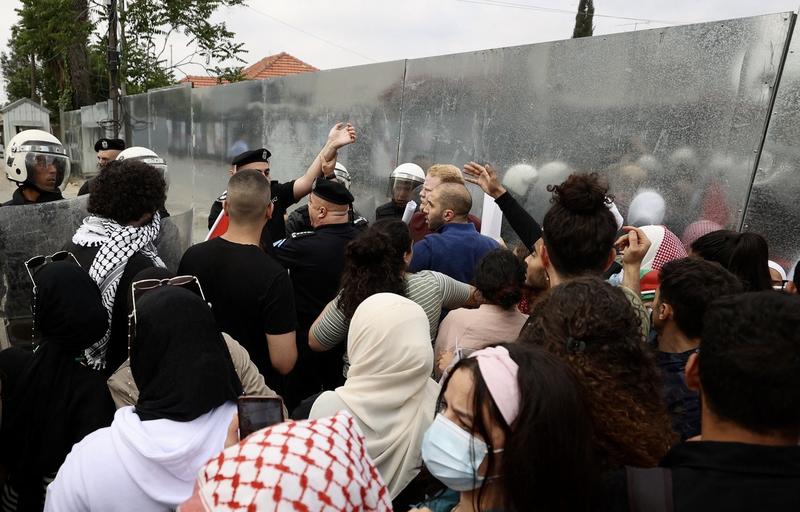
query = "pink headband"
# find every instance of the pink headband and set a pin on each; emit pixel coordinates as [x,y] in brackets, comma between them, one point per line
[499,372]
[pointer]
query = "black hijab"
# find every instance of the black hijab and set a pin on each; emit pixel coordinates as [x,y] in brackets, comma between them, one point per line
[179,360]
[56,400]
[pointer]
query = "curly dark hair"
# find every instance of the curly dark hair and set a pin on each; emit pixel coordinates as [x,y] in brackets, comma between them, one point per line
[593,328]
[579,229]
[127,190]
[374,264]
[553,427]
[500,278]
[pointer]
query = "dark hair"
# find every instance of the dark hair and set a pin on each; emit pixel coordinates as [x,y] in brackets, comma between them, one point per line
[750,361]
[689,285]
[249,195]
[374,264]
[500,277]
[744,254]
[579,229]
[547,448]
[127,190]
[592,326]
[796,277]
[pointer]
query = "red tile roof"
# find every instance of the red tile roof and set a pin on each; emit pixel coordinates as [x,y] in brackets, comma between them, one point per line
[280,64]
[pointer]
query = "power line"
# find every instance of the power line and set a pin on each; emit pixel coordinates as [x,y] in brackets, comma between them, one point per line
[529,7]
[306,32]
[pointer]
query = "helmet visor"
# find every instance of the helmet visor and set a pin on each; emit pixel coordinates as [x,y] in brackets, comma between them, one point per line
[403,189]
[47,171]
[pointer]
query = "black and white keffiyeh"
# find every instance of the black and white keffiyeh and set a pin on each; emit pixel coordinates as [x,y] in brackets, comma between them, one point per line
[117,244]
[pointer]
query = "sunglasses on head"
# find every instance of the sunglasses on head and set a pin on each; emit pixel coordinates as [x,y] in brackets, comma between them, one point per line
[138,288]
[36,263]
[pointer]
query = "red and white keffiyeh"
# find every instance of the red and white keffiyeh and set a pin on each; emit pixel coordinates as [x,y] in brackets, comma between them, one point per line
[665,247]
[314,465]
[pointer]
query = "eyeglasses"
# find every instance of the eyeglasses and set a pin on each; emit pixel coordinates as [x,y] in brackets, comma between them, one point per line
[138,289]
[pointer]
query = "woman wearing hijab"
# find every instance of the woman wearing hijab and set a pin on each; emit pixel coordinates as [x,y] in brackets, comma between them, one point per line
[149,457]
[52,400]
[299,465]
[388,390]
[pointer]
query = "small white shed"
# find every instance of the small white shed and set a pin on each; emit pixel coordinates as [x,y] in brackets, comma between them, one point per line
[23,114]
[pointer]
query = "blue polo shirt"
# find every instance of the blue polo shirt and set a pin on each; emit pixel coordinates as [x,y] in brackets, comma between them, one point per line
[454,250]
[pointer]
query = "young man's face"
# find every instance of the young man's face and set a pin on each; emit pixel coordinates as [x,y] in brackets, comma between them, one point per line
[401,192]
[536,274]
[435,215]
[45,175]
[431,182]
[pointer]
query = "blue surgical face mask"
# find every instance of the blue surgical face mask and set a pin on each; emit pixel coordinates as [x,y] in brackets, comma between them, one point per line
[452,455]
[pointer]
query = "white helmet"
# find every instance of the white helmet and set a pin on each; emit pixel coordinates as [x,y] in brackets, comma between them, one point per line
[39,159]
[519,178]
[342,175]
[408,171]
[147,156]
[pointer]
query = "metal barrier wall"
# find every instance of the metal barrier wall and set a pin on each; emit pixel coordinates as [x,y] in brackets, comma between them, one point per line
[681,110]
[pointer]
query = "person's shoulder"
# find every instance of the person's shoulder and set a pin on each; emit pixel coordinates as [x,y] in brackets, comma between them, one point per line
[222,197]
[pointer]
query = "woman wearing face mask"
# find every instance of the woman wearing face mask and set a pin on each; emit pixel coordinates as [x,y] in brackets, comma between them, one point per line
[512,434]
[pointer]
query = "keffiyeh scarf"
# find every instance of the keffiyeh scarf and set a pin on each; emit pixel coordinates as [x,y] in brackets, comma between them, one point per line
[117,244]
[298,465]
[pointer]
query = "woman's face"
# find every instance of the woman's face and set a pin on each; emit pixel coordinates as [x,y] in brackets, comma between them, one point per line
[457,407]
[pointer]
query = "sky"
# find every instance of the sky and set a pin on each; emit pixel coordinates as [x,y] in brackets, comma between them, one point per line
[345,33]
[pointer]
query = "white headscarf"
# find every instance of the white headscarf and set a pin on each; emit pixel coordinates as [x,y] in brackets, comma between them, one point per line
[647,208]
[388,390]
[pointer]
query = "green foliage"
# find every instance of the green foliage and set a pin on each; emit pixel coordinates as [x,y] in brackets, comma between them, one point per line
[584,19]
[55,30]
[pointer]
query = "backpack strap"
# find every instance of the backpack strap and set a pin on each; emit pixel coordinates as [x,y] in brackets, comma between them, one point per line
[649,490]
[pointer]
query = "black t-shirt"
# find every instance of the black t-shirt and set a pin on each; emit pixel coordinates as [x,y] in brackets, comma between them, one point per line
[250,294]
[389,211]
[282,198]
[117,351]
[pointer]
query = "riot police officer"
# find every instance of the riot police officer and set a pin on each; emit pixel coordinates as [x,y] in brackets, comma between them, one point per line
[38,163]
[402,182]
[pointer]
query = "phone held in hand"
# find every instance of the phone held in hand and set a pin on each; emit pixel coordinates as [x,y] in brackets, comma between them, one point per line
[257,412]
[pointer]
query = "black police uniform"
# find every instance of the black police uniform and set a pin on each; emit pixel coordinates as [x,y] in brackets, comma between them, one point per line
[101,145]
[18,199]
[315,260]
[299,220]
[389,211]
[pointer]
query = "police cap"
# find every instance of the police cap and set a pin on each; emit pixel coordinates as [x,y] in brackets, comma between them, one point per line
[254,155]
[331,191]
[104,144]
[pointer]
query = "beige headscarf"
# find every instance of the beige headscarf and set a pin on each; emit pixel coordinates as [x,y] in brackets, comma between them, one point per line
[388,390]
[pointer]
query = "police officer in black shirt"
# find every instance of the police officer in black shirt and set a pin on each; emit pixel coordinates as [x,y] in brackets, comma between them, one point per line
[286,194]
[315,260]
[107,151]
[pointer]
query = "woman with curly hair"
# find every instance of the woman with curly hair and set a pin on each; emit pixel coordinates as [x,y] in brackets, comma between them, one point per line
[116,242]
[376,262]
[591,326]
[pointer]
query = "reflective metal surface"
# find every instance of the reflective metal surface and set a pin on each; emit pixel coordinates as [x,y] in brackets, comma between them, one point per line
[27,231]
[680,110]
[773,209]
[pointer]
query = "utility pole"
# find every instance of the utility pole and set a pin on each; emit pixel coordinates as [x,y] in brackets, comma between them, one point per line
[113,65]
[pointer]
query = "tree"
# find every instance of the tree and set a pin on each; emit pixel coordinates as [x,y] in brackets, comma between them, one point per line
[584,19]
[58,48]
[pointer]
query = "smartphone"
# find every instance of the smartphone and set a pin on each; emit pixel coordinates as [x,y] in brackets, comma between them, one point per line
[257,412]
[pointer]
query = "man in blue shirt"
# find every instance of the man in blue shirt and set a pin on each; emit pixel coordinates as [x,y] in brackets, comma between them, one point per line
[456,246]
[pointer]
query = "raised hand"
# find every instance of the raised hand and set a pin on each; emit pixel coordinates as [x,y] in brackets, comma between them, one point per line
[341,135]
[485,177]
[634,245]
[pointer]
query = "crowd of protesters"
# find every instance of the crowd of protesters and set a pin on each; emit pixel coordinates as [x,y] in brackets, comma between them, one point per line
[595,365]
